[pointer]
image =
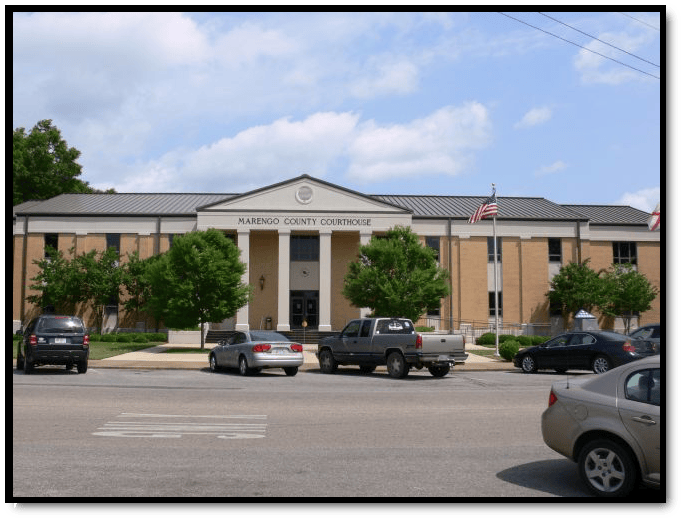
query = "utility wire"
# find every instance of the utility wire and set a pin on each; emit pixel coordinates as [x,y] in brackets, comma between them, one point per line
[644,23]
[580,46]
[598,39]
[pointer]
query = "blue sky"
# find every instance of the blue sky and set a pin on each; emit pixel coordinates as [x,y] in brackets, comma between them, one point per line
[383,103]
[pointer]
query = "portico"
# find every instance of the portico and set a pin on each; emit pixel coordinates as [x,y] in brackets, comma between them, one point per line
[290,235]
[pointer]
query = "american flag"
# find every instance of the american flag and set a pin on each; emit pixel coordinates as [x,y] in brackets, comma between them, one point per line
[654,220]
[488,209]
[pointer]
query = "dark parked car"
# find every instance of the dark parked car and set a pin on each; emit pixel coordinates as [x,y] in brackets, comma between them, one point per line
[52,339]
[610,426]
[649,334]
[593,350]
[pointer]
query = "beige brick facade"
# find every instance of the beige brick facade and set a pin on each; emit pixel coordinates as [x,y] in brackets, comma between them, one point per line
[525,270]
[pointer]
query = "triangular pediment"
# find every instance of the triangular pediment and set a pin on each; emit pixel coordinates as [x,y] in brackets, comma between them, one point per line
[307,194]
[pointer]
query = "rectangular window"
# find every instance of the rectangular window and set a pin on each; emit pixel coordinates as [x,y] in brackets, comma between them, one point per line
[434,243]
[51,240]
[625,253]
[499,245]
[304,248]
[492,304]
[554,250]
[114,240]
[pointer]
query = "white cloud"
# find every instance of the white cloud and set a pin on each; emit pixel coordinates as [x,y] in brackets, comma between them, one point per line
[533,117]
[597,69]
[400,77]
[557,166]
[645,199]
[441,143]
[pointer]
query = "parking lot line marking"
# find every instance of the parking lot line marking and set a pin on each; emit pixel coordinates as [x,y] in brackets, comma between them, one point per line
[148,427]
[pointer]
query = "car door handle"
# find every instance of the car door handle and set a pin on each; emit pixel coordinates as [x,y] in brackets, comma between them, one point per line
[645,419]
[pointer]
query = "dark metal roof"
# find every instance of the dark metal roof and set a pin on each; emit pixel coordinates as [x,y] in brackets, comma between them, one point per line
[518,208]
[421,206]
[166,204]
[610,215]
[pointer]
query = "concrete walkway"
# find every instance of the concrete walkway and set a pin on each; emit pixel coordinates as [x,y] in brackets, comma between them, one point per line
[157,358]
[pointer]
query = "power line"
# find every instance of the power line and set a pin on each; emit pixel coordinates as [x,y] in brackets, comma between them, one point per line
[580,46]
[598,39]
[644,23]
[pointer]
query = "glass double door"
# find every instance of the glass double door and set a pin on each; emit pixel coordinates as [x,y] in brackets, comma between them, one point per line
[304,307]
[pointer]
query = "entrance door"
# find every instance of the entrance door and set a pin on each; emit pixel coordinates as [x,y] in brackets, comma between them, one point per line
[304,306]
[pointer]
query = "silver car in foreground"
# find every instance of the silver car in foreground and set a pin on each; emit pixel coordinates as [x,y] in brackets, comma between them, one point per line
[609,424]
[253,350]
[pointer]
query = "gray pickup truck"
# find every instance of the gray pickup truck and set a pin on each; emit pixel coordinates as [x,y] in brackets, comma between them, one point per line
[393,342]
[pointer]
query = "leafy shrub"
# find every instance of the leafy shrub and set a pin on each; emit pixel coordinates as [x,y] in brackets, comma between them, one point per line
[525,341]
[95,337]
[508,349]
[108,338]
[157,336]
[424,329]
[489,338]
[139,338]
[124,338]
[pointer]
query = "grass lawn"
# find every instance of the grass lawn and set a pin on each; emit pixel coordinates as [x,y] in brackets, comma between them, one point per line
[187,351]
[103,350]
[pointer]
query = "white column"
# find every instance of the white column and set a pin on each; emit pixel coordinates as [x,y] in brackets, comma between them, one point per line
[324,316]
[242,321]
[283,280]
[365,240]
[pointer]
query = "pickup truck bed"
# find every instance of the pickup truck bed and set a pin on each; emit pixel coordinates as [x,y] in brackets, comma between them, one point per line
[393,342]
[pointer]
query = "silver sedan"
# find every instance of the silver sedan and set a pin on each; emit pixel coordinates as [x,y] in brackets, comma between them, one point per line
[253,350]
[609,424]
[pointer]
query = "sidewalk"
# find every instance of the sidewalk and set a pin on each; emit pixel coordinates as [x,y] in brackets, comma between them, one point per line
[156,358]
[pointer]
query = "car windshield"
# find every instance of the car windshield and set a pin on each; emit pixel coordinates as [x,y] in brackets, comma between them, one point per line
[61,324]
[265,335]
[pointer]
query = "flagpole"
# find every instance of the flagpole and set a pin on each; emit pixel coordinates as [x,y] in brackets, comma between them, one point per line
[495,273]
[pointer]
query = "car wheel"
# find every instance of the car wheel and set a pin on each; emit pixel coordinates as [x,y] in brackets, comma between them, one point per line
[327,362]
[439,370]
[82,366]
[529,364]
[28,366]
[601,365]
[213,364]
[291,371]
[244,368]
[367,369]
[607,469]
[397,366]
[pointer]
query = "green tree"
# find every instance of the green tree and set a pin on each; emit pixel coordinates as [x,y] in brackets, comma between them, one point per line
[396,276]
[199,280]
[43,165]
[53,283]
[576,287]
[627,292]
[135,280]
[97,278]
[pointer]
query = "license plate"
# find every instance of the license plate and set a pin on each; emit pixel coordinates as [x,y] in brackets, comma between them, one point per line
[280,351]
[60,340]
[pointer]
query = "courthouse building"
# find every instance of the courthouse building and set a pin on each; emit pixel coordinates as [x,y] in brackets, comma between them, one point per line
[298,236]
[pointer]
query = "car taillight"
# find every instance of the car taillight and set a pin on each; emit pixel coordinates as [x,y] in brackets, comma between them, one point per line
[86,340]
[552,399]
[297,348]
[418,342]
[261,347]
[33,340]
[628,347]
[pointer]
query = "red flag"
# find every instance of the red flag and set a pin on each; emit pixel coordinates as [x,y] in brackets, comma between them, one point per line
[654,220]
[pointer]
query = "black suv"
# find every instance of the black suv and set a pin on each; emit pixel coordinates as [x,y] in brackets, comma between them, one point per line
[52,339]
